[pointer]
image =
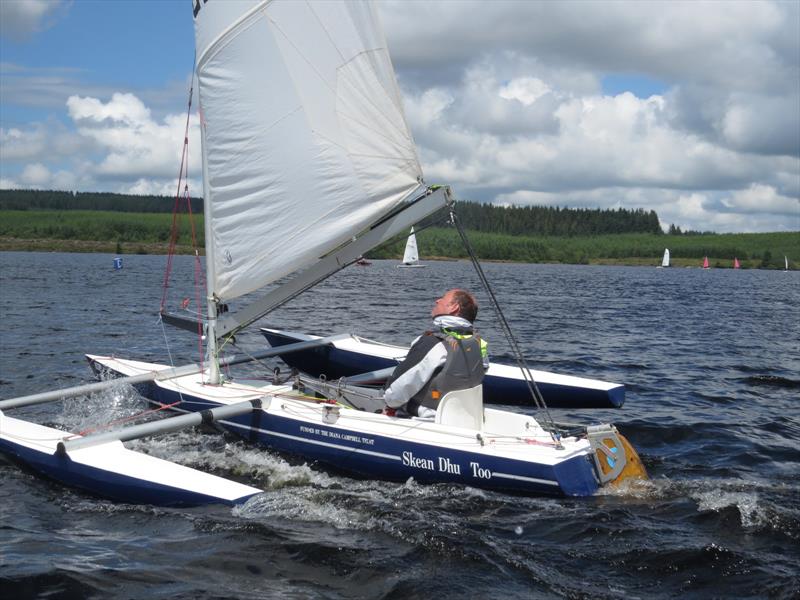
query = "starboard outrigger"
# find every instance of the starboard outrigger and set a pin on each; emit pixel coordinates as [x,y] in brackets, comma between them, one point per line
[308,163]
[504,384]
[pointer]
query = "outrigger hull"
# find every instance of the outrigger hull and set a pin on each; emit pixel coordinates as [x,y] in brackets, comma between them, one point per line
[503,384]
[112,471]
[511,454]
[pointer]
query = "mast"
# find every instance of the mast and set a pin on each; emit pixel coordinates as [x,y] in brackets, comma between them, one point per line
[211,302]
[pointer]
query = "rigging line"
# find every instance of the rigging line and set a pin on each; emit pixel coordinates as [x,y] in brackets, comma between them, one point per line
[334,388]
[246,353]
[183,170]
[169,352]
[121,420]
[399,237]
[532,387]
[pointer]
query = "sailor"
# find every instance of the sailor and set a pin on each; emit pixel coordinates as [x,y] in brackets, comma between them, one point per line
[447,358]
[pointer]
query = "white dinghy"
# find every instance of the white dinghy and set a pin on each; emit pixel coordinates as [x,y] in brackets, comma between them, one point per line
[411,254]
[665,259]
[309,164]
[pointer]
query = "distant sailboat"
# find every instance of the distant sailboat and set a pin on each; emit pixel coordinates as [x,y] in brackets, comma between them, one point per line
[411,256]
[665,260]
[705,262]
[736,264]
[785,263]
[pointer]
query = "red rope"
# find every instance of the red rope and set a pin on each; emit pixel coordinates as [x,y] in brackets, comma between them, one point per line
[183,172]
[124,419]
[185,196]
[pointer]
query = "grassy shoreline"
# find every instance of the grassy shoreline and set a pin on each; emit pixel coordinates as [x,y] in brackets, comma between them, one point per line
[10,244]
[148,233]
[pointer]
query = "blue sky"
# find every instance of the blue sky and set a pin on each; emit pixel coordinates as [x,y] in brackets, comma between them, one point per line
[118,45]
[688,108]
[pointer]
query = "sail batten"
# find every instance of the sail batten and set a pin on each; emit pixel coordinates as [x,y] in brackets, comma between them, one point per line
[305,139]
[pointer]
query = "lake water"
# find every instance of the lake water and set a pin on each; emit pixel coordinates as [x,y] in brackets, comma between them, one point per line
[712,368]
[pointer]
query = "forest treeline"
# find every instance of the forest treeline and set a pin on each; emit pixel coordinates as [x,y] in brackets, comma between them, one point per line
[488,218]
[550,220]
[64,221]
[754,250]
[55,200]
[141,233]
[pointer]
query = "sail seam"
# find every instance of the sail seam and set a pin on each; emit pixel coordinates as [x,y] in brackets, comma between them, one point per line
[333,91]
[404,134]
[223,38]
[325,29]
[378,50]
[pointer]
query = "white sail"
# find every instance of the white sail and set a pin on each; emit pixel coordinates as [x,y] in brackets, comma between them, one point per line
[411,256]
[785,263]
[305,142]
[665,260]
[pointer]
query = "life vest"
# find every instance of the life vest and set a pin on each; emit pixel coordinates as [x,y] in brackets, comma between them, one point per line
[463,369]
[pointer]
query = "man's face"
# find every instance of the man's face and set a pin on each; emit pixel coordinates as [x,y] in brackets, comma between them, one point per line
[446,305]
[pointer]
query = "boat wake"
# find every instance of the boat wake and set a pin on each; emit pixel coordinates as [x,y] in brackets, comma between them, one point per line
[87,413]
[750,506]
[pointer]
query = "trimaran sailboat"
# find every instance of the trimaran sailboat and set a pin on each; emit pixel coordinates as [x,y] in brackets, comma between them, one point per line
[307,164]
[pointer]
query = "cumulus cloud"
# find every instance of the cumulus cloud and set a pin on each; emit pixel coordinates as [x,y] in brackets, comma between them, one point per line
[708,42]
[506,102]
[116,145]
[36,175]
[136,145]
[760,198]
[20,19]
[50,139]
[39,176]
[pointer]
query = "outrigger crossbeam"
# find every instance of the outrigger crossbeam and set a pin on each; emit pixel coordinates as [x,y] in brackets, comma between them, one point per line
[161,375]
[162,425]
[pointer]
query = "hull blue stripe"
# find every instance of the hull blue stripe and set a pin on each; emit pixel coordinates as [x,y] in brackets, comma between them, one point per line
[107,484]
[522,478]
[269,432]
[381,456]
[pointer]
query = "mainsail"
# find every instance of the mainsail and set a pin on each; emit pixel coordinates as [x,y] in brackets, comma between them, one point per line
[411,255]
[305,142]
[665,260]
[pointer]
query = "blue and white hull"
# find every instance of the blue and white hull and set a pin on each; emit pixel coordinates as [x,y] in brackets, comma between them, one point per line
[508,451]
[112,471]
[503,384]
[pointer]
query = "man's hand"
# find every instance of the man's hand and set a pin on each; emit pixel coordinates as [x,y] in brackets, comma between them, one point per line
[389,411]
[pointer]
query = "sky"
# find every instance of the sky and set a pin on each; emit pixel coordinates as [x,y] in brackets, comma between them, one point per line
[691,109]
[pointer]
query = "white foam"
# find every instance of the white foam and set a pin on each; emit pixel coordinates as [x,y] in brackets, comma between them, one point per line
[98,410]
[751,511]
